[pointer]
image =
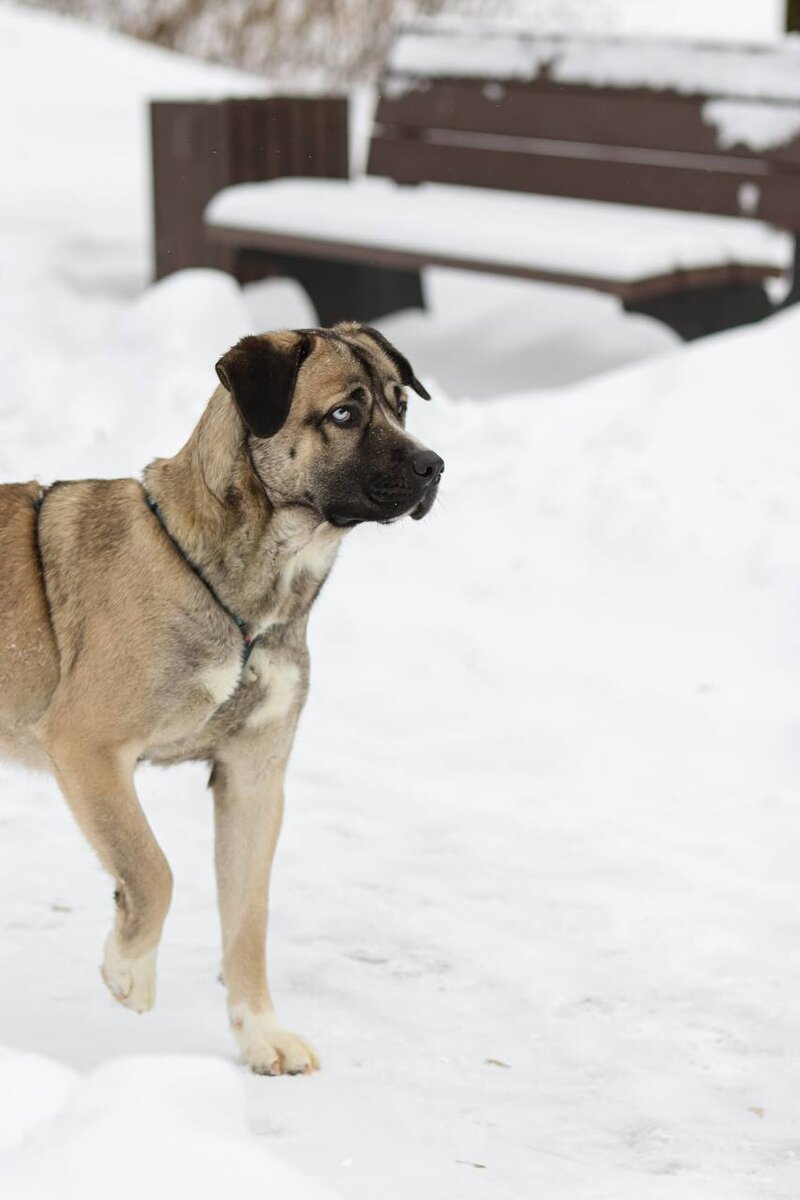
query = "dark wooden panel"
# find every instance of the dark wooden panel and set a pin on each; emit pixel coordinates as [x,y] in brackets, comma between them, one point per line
[608,119]
[379,255]
[605,116]
[200,147]
[186,141]
[686,189]
[780,202]
[338,289]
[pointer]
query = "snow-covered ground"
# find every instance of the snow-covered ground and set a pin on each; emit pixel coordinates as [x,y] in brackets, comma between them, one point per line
[536,900]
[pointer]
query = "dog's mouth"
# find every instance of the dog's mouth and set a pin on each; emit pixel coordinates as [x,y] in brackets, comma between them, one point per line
[340,521]
[426,503]
[383,513]
[405,506]
[385,498]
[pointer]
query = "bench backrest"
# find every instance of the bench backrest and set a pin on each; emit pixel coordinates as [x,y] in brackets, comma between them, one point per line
[699,127]
[202,146]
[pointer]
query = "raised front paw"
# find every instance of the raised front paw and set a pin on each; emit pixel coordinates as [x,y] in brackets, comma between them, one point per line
[131,981]
[267,1048]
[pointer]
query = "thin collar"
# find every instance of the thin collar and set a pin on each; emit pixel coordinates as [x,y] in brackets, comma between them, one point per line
[248,640]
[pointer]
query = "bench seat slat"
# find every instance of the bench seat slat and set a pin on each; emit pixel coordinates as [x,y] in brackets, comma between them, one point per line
[611,248]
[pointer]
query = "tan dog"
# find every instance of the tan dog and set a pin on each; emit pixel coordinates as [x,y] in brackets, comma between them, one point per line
[167,622]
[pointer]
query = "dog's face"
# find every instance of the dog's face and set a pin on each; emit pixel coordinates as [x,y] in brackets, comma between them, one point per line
[326,412]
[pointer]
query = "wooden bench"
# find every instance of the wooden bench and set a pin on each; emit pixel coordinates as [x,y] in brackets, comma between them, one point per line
[621,130]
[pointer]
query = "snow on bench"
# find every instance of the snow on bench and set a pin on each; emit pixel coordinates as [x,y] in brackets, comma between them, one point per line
[746,81]
[457,48]
[612,248]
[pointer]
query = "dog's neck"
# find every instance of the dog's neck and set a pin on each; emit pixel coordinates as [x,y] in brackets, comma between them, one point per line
[217,509]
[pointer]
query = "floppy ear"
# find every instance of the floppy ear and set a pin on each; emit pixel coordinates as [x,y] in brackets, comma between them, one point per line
[260,373]
[404,368]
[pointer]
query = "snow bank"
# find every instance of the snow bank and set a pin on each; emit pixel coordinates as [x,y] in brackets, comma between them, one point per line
[32,1090]
[117,396]
[74,122]
[136,1127]
[698,448]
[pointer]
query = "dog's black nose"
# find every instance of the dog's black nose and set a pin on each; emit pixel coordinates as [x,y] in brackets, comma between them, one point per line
[427,464]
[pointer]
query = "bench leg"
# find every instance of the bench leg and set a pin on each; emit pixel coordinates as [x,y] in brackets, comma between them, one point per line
[793,296]
[339,291]
[700,311]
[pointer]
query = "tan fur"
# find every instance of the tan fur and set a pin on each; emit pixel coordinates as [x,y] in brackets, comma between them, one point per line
[113,652]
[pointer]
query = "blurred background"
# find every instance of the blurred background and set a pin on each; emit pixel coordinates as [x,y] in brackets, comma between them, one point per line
[344,41]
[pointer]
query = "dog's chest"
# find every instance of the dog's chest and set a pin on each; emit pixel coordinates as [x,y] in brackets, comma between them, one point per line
[273,684]
[272,681]
[230,696]
[303,565]
[237,698]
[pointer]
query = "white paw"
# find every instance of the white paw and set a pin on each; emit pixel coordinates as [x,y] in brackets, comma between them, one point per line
[266,1048]
[132,981]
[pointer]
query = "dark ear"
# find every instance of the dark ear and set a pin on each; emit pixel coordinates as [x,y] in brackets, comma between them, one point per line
[260,373]
[404,368]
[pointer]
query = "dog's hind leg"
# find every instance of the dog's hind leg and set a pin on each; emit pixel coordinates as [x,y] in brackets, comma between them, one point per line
[248,805]
[98,785]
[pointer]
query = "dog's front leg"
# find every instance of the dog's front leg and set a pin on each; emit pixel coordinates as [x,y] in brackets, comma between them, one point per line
[98,784]
[248,805]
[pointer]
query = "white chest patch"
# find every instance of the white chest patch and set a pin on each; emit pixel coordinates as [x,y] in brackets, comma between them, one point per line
[317,556]
[221,682]
[304,555]
[280,680]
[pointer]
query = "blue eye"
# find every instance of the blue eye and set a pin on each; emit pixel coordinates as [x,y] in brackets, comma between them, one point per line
[400,402]
[342,415]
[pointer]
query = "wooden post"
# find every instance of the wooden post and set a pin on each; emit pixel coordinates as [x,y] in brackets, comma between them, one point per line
[200,147]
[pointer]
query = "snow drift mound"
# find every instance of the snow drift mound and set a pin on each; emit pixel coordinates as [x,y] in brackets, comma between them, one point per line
[137,1127]
[697,446]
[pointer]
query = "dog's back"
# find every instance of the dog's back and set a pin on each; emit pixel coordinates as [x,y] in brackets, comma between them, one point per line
[28,656]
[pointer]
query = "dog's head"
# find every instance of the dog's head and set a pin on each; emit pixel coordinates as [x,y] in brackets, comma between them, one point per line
[325,410]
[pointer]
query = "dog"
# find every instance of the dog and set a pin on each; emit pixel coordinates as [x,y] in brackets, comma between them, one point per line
[165,621]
